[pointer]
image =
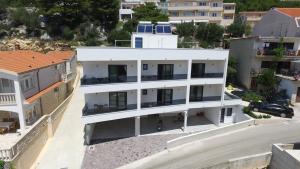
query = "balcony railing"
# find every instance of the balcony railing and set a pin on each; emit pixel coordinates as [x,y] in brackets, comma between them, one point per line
[98,109]
[271,52]
[229,96]
[208,75]
[158,104]
[7,98]
[118,79]
[206,98]
[169,77]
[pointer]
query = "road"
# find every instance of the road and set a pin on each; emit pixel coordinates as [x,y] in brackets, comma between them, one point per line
[249,141]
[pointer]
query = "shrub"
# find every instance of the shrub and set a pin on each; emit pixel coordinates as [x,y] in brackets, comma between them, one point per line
[266,116]
[67,33]
[252,96]
[2,163]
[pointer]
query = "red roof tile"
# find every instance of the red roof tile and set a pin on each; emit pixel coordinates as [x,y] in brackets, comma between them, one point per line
[21,61]
[293,12]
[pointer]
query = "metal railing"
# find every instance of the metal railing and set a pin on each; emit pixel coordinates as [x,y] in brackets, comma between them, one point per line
[157,104]
[208,75]
[163,77]
[205,98]
[7,98]
[98,109]
[271,52]
[118,79]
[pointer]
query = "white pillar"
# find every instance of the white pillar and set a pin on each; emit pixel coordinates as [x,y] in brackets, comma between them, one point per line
[189,74]
[88,133]
[20,106]
[185,120]
[137,125]
[224,81]
[139,76]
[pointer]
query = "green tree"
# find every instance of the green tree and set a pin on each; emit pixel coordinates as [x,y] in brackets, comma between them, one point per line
[130,25]
[268,82]
[149,12]
[185,29]
[185,42]
[236,29]
[119,35]
[231,70]
[209,34]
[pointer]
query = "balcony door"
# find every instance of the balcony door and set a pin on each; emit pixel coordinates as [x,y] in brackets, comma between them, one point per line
[118,100]
[165,71]
[196,93]
[198,69]
[164,96]
[117,73]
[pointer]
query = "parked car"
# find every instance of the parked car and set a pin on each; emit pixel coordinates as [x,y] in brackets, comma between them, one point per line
[273,109]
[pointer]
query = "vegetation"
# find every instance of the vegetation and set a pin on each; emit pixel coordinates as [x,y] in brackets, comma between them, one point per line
[238,29]
[259,5]
[232,70]
[248,111]
[185,29]
[209,34]
[149,12]
[252,96]
[268,83]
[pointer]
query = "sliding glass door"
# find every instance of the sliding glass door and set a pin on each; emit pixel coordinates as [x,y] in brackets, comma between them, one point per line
[164,96]
[198,70]
[196,93]
[117,73]
[165,71]
[118,100]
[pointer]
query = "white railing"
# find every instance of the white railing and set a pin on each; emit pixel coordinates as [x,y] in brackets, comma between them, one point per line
[7,98]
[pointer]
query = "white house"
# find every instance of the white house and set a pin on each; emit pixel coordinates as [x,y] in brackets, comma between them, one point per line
[32,84]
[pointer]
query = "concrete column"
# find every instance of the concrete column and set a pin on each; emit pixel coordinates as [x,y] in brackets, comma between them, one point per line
[88,133]
[224,81]
[137,125]
[20,106]
[139,76]
[185,120]
[189,74]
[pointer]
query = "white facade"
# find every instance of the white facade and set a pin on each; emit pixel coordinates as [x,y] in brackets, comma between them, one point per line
[150,40]
[16,89]
[143,83]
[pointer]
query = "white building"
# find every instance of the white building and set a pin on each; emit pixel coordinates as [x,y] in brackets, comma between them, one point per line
[208,11]
[32,84]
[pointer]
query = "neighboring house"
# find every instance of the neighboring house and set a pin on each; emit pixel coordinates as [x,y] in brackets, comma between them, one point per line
[257,53]
[133,91]
[208,11]
[33,84]
[126,6]
[251,18]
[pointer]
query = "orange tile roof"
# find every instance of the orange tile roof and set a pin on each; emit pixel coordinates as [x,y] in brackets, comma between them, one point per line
[41,93]
[21,61]
[293,12]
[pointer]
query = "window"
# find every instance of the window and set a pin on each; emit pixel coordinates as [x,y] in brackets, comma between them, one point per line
[229,112]
[201,13]
[215,4]
[202,3]
[145,66]
[174,13]
[144,91]
[214,14]
[138,42]
[188,13]
[27,84]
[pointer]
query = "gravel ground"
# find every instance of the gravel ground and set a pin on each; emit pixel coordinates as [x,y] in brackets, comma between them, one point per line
[113,154]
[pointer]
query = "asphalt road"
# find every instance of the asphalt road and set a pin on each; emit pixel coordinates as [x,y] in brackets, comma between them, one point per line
[249,141]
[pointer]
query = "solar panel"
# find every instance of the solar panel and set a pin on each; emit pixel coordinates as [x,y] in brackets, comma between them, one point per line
[159,29]
[149,29]
[167,29]
[141,28]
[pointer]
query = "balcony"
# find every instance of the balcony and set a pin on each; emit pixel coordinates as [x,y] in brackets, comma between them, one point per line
[118,79]
[271,52]
[98,109]
[167,77]
[208,75]
[158,104]
[7,98]
[206,98]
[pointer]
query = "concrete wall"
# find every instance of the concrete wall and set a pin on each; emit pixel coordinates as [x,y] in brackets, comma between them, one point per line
[291,88]
[49,76]
[244,51]
[30,92]
[100,69]
[213,115]
[281,159]
[155,40]
[178,93]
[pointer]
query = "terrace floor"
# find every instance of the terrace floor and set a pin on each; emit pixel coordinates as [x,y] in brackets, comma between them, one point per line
[8,140]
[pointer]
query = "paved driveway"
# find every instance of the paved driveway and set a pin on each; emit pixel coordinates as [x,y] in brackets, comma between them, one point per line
[66,148]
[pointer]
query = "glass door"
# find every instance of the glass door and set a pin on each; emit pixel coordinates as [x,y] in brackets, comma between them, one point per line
[118,100]
[117,73]
[196,93]
[222,115]
[165,71]
[198,70]
[164,96]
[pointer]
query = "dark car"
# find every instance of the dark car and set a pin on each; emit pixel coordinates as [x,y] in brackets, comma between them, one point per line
[273,109]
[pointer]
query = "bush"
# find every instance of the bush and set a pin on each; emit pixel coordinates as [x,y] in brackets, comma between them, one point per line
[252,96]
[67,33]
[119,35]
